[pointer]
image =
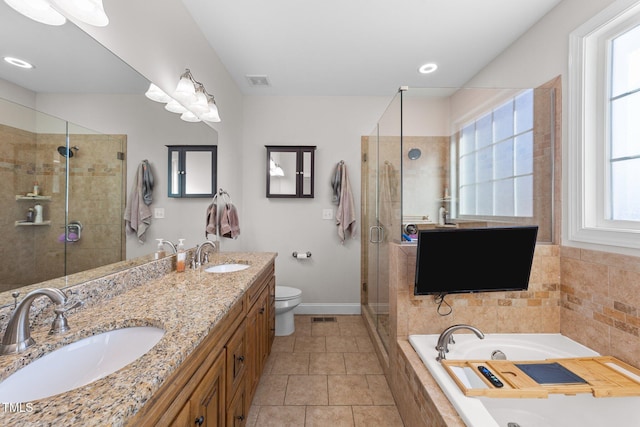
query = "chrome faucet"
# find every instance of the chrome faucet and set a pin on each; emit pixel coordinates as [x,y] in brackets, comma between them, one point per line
[446,338]
[199,250]
[172,245]
[17,336]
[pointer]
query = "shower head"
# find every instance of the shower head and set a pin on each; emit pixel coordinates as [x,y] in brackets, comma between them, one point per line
[67,152]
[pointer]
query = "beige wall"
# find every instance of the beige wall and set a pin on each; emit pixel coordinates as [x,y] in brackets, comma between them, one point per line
[601,302]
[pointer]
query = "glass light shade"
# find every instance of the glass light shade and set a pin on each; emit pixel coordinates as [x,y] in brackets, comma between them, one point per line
[212,114]
[88,11]
[38,10]
[199,106]
[154,93]
[185,91]
[189,117]
[175,107]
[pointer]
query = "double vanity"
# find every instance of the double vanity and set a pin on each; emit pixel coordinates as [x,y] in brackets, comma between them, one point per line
[213,330]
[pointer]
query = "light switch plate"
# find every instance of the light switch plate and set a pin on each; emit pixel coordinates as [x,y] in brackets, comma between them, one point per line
[158,212]
[327,213]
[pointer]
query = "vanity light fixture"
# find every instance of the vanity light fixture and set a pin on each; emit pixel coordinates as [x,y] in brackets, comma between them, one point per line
[18,62]
[88,11]
[53,12]
[428,68]
[190,99]
[156,94]
[38,10]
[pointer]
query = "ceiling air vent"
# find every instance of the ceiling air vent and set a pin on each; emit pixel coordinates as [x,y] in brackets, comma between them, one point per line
[258,81]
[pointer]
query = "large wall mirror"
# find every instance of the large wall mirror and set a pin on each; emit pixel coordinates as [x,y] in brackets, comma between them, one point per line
[46,119]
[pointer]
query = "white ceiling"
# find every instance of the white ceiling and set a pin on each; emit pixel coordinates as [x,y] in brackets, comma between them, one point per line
[305,47]
[66,59]
[360,47]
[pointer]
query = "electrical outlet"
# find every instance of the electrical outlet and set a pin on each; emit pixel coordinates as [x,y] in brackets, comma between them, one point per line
[158,213]
[327,213]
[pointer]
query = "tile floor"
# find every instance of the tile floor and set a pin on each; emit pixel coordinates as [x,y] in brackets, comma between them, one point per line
[325,374]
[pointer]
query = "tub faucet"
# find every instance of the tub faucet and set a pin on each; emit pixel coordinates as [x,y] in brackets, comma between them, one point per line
[446,338]
[17,336]
[200,250]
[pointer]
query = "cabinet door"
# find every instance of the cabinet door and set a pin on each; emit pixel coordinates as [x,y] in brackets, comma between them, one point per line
[236,360]
[183,419]
[256,341]
[271,313]
[207,403]
[237,410]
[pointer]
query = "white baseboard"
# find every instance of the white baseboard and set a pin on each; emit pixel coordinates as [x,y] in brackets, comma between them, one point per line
[327,308]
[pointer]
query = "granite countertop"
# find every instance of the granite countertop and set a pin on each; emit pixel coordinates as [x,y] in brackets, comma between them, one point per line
[186,305]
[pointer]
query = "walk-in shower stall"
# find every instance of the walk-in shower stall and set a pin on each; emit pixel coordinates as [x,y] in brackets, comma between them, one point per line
[62,197]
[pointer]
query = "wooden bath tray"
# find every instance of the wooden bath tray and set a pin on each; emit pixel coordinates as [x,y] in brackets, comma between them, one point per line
[601,378]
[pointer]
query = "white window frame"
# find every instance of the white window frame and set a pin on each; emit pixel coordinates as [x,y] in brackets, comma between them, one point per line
[586,159]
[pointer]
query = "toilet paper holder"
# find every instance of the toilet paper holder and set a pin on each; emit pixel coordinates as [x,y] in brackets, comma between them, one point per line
[301,255]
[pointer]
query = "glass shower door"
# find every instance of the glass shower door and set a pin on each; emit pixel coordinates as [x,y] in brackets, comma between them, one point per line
[382,194]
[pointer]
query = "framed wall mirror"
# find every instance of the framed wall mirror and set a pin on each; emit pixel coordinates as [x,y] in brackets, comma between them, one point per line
[290,171]
[192,170]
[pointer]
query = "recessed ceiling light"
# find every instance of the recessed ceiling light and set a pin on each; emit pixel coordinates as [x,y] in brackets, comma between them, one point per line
[428,68]
[17,62]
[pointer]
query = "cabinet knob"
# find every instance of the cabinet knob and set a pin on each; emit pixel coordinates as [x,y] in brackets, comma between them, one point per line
[200,420]
[240,417]
[262,310]
[240,358]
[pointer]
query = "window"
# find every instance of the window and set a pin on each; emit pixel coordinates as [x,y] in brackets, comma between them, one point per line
[624,126]
[496,161]
[603,165]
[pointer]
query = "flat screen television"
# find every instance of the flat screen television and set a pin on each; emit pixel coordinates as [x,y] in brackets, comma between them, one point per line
[456,260]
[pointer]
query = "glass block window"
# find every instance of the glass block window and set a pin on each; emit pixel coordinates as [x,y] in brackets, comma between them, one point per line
[496,161]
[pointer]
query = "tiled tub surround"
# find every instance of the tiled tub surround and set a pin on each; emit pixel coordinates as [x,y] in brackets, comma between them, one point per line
[186,305]
[597,305]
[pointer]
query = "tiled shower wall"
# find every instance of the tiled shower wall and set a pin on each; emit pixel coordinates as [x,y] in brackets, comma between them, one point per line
[34,253]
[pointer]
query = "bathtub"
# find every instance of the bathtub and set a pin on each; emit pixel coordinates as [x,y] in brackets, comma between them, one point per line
[581,410]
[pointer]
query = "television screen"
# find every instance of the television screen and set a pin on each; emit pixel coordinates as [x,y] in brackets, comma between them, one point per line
[455,260]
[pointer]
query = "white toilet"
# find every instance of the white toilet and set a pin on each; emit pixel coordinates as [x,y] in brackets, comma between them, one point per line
[286,300]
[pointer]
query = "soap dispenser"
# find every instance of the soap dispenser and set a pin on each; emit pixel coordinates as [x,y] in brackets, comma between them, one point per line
[160,253]
[181,256]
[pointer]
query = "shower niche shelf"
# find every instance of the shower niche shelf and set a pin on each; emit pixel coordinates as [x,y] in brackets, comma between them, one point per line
[32,224]
[33,198]
[24,223]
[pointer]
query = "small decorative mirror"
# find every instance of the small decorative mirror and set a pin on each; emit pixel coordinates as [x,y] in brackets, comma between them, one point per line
[192,170]
[290,170]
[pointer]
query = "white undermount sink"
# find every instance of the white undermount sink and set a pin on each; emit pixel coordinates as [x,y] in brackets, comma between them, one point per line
[226,268]
[79,363]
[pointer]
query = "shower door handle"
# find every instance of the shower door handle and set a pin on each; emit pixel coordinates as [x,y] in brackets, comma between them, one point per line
[380,236]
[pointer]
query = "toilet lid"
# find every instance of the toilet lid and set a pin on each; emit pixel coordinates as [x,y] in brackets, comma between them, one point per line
[286,293]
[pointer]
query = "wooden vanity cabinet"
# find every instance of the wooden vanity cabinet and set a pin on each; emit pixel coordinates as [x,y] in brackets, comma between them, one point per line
[215,384]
